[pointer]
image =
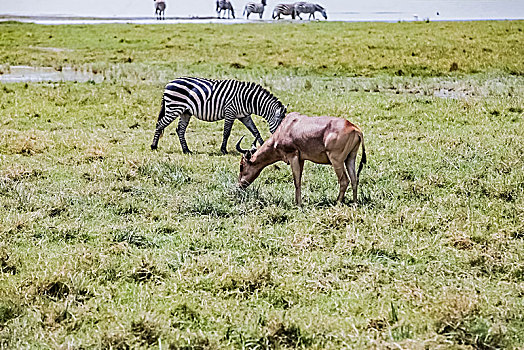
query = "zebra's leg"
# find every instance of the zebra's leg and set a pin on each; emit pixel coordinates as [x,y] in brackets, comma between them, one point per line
[181,131]
[250,125]
[162,122]
[228,124]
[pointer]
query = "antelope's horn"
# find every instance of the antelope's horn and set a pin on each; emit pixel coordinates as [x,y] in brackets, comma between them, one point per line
[239,149]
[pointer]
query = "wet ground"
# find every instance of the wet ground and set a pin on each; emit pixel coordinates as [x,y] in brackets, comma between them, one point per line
[56,20]
[442,89]
[17,74]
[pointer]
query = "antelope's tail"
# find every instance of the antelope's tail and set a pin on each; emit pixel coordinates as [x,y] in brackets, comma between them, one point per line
[363,159]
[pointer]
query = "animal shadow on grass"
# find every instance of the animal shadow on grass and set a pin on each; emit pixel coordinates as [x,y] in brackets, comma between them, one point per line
[363,200]
[196,151]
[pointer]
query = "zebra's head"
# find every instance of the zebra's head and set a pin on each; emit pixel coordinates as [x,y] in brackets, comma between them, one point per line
[263,103]
[280,114]
[321,10]
[263,2]
[276,113]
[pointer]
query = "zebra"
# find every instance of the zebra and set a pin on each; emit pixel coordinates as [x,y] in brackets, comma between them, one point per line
[253,7]
[307,7]
[212,100]
[284,9]
[160,8]
[226,6]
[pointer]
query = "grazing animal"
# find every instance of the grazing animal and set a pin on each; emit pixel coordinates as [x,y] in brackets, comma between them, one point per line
[226,6]
[160,9]
[307,7]
[323,140]
[284,9]
[213,100]
[253,7]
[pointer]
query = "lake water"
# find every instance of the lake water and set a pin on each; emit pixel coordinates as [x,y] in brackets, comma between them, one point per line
[141,11]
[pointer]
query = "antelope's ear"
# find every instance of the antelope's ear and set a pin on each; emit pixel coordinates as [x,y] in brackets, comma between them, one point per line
[248,155]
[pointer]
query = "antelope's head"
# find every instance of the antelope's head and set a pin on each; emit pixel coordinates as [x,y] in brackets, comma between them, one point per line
[248,171]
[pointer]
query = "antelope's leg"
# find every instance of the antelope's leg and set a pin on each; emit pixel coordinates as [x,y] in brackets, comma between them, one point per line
[342,175]
[350,165]
[297,165]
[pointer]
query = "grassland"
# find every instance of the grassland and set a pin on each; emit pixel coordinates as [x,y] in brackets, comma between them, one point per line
[105,244]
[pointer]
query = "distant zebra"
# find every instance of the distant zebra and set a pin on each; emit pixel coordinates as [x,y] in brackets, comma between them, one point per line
[284,9]
[160,8]
[226,6]
[213,100]
[307,7]
[253,7]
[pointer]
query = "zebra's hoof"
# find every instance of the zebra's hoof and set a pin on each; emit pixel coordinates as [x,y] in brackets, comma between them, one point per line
[223,150]
[154,147]
[186,151]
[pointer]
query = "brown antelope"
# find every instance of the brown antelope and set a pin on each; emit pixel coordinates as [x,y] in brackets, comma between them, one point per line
[322,140]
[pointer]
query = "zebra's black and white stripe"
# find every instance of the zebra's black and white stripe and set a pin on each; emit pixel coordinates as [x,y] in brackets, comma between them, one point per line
[212,100]
[284,9]
[226,6]
[160,9]
[253,7]
[307,7]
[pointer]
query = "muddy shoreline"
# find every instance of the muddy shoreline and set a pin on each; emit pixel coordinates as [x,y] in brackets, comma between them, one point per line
[58,19]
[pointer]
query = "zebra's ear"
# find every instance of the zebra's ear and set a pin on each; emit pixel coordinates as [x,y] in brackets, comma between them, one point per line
[282,112]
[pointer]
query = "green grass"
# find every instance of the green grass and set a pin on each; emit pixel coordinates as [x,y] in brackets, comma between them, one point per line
[105,244]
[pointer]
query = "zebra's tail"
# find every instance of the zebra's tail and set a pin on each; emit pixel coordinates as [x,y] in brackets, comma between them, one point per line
[162,114]
[159,130]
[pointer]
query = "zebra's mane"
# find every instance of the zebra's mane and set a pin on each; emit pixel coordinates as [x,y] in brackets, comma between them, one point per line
[259,87]
[319,8]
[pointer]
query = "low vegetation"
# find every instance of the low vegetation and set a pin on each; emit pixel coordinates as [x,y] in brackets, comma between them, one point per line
[106,244]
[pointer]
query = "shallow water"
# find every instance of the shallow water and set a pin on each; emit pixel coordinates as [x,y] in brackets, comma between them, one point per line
[17,74]
[140,11]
